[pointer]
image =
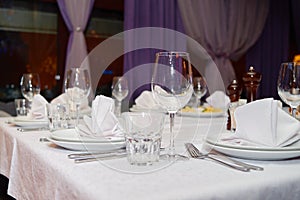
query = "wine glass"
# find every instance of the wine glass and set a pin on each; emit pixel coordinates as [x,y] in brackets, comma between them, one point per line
[200,88]
[172,87]
[30,86]
[288,85]
[77,87]
[119,91]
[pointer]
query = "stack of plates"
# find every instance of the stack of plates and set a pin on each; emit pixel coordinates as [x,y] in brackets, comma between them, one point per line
[255,152]
[28,122]
[70,139]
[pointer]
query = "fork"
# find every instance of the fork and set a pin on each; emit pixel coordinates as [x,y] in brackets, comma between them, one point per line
[195,153]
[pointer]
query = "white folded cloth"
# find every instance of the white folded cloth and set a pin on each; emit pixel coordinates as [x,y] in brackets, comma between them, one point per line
[264,123]
[218,99]
[38,107]
[146,101]
[63,98]
[103,122]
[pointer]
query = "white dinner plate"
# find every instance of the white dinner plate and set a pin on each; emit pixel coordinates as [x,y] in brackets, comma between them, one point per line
[202,114]
[256,153]
[135,108]
[71,135]
[27,122]
[88,146]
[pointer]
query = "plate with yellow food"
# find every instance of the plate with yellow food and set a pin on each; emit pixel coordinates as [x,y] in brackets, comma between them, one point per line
[202,111]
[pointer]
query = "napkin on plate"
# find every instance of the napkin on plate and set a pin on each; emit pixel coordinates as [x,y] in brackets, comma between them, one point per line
[38,107]
[63,98]
[146,101]
[264,123]
[103,122]
[218,99]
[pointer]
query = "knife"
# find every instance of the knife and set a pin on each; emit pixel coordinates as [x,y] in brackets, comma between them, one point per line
[99,157]
[224,157]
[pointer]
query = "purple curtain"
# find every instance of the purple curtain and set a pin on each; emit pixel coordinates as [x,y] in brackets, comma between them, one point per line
[225,28]
[76,14]
[147,13]
[272,48]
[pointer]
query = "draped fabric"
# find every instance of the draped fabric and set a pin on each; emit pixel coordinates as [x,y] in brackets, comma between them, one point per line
[225,28]
[148,13]
[272,48]
[76,14]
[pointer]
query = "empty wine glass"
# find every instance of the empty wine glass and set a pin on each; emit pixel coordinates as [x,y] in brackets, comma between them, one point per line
[200,88]
[288,85]
[30,86]
[172,87]
[119,91]
[77,87]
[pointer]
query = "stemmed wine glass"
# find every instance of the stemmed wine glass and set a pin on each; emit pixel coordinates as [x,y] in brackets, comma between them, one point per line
[172,87]
[119,91]
[200,88]
[30,86]
[288,85]
[77,87]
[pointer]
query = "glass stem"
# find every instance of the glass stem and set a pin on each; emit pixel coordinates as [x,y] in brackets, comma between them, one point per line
[118,108]
[294,111]
[29,104]
[172,146]
[77,114]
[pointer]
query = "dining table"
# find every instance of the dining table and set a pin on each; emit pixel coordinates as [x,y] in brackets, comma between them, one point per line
[39,169]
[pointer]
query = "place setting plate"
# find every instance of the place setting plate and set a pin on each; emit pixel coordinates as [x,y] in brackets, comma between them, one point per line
[254,152]
[28,122]
[70,139]
[136,108]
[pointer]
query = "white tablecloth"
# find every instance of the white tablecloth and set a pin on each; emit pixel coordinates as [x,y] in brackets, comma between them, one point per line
[38,170]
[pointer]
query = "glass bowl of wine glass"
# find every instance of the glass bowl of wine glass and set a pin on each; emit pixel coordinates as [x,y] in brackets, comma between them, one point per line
[30,86]
[288,85]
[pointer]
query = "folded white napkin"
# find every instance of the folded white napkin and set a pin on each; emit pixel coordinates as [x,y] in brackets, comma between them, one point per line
[38,107]
[218,99]
[63,98]
[146,101]
[103,122]
[264,123]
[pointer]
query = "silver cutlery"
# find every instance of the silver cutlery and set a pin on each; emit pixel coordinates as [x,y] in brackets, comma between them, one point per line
[253,167]
[94,156]
[99,157]
[89,154]
[195,153]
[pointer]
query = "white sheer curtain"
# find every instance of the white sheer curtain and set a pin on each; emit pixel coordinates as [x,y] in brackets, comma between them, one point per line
[225,28]
[76,14]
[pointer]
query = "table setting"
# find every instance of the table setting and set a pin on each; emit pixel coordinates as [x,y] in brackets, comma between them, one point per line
[154,141]
[104,129]
[264,132]
[99,131]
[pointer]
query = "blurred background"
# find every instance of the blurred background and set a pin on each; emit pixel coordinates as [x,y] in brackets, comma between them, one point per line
[34,38]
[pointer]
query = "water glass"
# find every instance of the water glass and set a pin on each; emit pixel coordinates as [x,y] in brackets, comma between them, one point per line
[143,133]
[58,115]
[21,106]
